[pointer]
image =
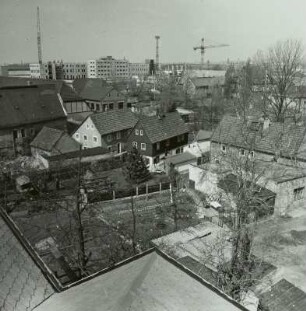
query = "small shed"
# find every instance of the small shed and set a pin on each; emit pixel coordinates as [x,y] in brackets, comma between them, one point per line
[180,161]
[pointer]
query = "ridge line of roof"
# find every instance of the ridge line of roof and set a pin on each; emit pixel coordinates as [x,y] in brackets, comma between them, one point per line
[47,273]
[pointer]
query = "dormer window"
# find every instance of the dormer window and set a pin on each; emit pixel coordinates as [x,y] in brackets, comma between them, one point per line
[136,132]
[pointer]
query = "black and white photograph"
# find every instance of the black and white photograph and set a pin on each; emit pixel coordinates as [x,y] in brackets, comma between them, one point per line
[152,155]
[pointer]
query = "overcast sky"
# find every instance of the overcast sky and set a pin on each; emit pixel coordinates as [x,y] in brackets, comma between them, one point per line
[79,30]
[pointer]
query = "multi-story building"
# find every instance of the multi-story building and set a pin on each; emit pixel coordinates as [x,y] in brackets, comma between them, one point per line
[16,70]
[139,69]
[72,71]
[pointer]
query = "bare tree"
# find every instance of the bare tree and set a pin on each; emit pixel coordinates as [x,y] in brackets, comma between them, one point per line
[280,66]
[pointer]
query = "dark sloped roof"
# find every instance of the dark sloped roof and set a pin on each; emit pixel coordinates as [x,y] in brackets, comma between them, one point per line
[165,127]
[54,141]
[207,81]
[22,284]
[113,121]
[288,138]
[284,296]
[181,158]
[203,135]
[29,104]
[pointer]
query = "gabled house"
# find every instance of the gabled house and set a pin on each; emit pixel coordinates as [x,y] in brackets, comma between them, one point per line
[106,129]
[101,97]
[25,110]
[261,139]
[159,136]
[205,86]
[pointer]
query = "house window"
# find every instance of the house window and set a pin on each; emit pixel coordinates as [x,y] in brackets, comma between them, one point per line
[298,193]
[77,136]
[111,106]
[157,146]
[129,105]
[223,148]
[109,137]
[22,133]
[120,105]
[143,146]
[136,132]
[242,152]
[252,154]
[109,148]
[87,125]
[118,135]
[92,106]
[85,137]
[95,139]
[141,132]
[97,107]
[134,144]
[178,150]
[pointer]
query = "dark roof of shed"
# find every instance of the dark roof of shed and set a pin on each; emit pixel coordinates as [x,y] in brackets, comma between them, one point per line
[203,135]
[23,286]
[288,138]
[113,121]
[55,141]
[164,127]
[284,296]
[29,104]
[181,158]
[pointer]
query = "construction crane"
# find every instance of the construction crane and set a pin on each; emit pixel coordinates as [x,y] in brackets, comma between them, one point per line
[203,47]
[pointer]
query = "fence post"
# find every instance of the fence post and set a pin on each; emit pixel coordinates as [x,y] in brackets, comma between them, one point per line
[147,191]
[114,195]
[171,194]
[137,191]
[160,187]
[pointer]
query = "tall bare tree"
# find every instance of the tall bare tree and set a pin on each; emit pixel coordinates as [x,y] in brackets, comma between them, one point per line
[280,66]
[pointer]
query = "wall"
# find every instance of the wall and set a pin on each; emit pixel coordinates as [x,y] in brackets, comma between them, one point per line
[284,200]
[88,128]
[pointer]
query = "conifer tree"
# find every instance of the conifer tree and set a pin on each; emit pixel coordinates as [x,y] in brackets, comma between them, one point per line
[136,166]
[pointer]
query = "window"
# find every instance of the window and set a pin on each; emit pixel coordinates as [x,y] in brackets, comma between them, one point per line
[129,105]
[97,107]
[85,137]
[157,146]
[223,148]
[118,135]
[87,125]
[95,139]
[22,133]
[242,152]
[109,137]
[134,144]
[120,105]
[136,132]
[111,106]
[109,148]
[252,154]
[298,193]
[141,132]
[143,146]
[178,150]
[77,136]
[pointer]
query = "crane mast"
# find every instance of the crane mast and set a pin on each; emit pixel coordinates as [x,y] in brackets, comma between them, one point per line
[203,47]
[39,39]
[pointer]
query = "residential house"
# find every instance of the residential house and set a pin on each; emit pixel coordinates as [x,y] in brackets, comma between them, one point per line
[106,129]
[101,97]
[204,87]
[159,136]
[277,151]
[25,110]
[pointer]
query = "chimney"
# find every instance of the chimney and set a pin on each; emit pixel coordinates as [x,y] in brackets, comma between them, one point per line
[266,124]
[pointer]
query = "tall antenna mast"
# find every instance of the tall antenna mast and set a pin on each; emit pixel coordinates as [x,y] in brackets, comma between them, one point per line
[39,38]
[157,53]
